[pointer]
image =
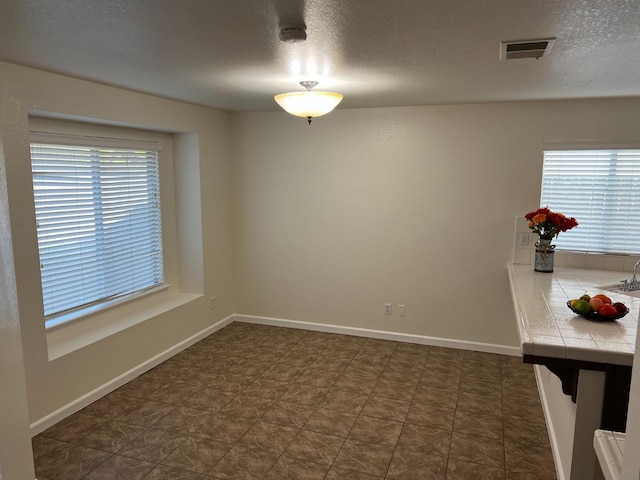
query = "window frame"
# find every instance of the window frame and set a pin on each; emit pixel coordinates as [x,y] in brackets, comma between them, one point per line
[607,149]
[40,127]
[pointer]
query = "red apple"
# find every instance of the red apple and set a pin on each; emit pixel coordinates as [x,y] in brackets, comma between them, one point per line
[607,310]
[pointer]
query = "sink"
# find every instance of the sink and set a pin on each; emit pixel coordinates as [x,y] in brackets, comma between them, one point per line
[616,289]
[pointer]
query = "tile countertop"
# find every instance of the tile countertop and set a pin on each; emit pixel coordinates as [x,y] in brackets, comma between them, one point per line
[609,447]
[547,327]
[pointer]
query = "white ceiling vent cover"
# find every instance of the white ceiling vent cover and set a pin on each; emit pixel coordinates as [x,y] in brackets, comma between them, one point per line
[526,48]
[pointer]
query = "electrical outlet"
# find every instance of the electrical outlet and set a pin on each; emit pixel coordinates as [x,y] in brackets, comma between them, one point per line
[387,309]
[524,239]
[212,303]
[402,310]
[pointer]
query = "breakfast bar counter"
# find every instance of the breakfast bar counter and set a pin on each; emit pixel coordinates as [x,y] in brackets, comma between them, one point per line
[592,359]
[548,328]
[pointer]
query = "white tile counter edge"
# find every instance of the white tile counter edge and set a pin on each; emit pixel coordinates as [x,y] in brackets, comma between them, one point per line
[525,338]
[609,447]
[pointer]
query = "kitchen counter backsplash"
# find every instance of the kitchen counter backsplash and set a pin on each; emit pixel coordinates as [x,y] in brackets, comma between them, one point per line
[524,255]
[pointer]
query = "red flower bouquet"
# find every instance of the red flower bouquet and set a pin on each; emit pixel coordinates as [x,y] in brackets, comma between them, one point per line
[548,224]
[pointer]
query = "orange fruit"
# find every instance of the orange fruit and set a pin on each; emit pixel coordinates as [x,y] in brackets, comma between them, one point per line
[603,297]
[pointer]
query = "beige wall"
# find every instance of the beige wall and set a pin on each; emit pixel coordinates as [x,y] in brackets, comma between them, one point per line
[410,206]
[203,236]
[16,460]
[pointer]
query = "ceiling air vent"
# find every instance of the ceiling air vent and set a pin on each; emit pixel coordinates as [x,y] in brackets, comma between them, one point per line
[526,48]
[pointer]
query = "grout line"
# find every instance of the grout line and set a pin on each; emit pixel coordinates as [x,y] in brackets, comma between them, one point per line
[504,440]
[455,412]
[407,415]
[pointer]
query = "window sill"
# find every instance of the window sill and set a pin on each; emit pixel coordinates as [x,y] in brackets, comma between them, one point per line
[77,333]
[82,313]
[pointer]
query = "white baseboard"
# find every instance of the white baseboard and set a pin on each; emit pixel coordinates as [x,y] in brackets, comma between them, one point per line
[555,448]
[381,334]
[78,404]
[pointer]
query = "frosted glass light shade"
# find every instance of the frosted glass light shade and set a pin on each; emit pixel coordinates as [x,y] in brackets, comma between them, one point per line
[308,104]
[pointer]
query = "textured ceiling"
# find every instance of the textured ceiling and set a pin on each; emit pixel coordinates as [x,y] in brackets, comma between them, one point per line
[226,54]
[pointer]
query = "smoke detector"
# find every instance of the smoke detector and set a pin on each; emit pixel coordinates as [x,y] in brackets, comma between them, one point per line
[293,33]
[526,48]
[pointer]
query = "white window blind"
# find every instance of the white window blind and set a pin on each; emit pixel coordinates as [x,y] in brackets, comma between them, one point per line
[98,221]
[601,189]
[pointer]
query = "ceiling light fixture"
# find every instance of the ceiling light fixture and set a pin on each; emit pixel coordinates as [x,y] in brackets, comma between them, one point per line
[293,33]
[309,104]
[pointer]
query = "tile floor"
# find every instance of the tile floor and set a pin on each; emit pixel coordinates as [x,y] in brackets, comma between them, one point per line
[257,402]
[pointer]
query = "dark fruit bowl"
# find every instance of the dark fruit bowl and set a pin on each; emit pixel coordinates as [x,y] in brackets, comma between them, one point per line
[595,316]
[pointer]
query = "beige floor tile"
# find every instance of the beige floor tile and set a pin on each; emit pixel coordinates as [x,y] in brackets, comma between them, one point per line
[433,395]
[376,430]
[288,414]
[61,460]
[387,408]
[244,464]
[472,402]
[225,429]
[160,472]
[439,418]
[511,475]
[476,449]
[295,469]
[268,436]
[111,436]
[412,465]
[255,402]
[144,413]
[481,386]
[304,394]
[183,420]
[344,401]
[479,424]
[267,388]
[331,422]
[153,445]
[120,467]
[364,457]
[459,470]
[394,390]
[246,406]
[526,431]
[529,458]
[74,428]
[425,439]
[341,474]
[315,447]
[197,455]
[357,383]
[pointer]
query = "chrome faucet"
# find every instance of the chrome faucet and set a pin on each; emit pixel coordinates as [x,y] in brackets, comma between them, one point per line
[635,268]
[633,284]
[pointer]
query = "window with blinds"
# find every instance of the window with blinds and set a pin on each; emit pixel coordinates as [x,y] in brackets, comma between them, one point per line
[601,189]
[98,220]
